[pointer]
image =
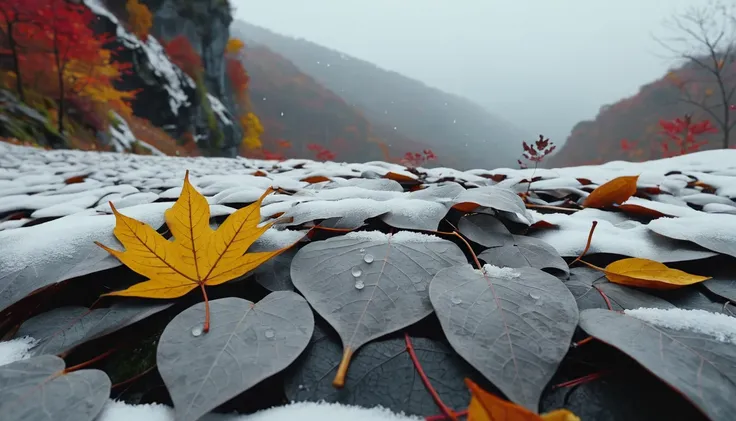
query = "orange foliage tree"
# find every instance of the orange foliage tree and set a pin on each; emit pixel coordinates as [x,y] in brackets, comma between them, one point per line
[140,18]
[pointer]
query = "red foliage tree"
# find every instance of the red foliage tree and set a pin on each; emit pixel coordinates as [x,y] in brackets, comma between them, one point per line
[182,53]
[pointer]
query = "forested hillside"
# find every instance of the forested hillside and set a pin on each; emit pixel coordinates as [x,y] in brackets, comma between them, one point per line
[461,133]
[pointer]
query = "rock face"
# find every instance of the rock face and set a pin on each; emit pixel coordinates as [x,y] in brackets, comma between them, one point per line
[18,120]
[167,96]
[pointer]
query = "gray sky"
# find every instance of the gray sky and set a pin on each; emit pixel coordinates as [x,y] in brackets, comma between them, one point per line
[541,64]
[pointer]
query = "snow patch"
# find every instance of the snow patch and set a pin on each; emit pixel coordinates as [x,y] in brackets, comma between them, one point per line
[720,326]
[498,272]
[219,109]
[16,349]
[124,139]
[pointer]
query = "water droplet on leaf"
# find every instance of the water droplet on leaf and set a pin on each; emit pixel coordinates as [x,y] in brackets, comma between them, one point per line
[368,258]
[359,285]
[456,300]
[197,331]
[534,296]
[356,271]
[270,333]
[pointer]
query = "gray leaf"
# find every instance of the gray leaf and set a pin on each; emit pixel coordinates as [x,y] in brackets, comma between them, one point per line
[246,344]
[275,273]
[497,198]
[485,230]
[589,286]
[63,328]
[369,284]
[525,252]
[722,285]
[32,390]
[512,325]
[52,252]
[697,365]
[691,298]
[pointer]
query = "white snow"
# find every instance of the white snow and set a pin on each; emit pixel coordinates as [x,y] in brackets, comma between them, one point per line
[124,139]
[412,237]
[16,349]
[306,411]
[498,272]
[720,326]
[220,110]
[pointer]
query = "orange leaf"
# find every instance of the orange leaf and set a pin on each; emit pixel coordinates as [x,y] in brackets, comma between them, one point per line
[487,407]
[649,274]
[399,177]
[640,210]
[76,179]
[615,191]
[315,179]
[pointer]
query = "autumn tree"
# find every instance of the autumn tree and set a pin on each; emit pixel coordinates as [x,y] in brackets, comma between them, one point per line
[140,18]
[18,21]
[707,43]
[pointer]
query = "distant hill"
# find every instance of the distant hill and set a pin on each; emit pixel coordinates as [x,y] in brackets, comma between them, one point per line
[462,133]
[636,120]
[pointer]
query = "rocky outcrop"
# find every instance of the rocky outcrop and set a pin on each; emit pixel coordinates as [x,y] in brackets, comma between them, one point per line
[166,95]
[19,121]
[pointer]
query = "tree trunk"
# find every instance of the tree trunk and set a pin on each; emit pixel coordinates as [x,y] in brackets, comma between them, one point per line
[60,78]
[16,63]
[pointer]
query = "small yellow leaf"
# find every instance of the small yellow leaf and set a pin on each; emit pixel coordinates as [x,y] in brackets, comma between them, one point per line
[487,407]
[615,191]
[649,274]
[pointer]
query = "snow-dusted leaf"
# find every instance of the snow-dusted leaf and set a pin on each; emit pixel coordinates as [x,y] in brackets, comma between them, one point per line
[485,230]
[63,328]
[246,343]
[512,325]
[381,374]
[42,255]
[723,285]
[712,231]
[493,197]
[36,389]
[368,284]
[683,354]
[591,289]
[525,252]
[691,298]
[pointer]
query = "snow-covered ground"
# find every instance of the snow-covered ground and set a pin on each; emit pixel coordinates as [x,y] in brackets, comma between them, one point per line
[54,204]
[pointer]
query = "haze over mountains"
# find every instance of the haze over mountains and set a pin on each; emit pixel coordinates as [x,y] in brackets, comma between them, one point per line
[405,112]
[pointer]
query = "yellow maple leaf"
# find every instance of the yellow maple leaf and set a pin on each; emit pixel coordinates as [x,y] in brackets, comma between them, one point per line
[199,256]
[615,191]
[647,273]
[485,406]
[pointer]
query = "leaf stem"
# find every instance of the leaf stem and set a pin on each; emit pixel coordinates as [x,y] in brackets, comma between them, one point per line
[206,327]
[582,342]
[443,417]
[580,380]
[134,378]
[414,359]
[587,245]
[605,297]
[342,370]
[90,362]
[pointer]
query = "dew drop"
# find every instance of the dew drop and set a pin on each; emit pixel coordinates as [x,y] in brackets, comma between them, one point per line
[456,300]
[269,333]
[362,251]
[359,285]
[301,387]
[368,258]
[197,331]
[534,296]
[356,271]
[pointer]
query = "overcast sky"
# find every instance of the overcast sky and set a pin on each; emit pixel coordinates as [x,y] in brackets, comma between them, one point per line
[541,64]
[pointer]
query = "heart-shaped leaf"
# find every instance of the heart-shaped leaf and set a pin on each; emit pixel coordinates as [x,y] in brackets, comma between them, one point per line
[38,389]
[512,325]
[368,284]
[699,365]
[381,374]
[525,252]
[61,329]
[247,343]
[485,230]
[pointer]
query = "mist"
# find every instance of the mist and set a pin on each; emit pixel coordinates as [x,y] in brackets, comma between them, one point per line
[541,65]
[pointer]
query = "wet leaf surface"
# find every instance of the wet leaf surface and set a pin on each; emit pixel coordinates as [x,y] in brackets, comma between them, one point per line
[512,325]
[37,390]
[63,328]
[525,252]
[366,285]
[247,343]
[701,367]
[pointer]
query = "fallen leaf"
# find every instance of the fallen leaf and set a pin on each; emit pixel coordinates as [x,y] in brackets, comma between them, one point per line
[61,329]
[485,230]
[247,344]
[696,364]
[647,273]
[512,325]
[381,374]
[369,284]
[39,389]
[613,192]
[315,179]
[723,285]
[494,197]
[525,252]
[485,406]
[76,179]
[199,256]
